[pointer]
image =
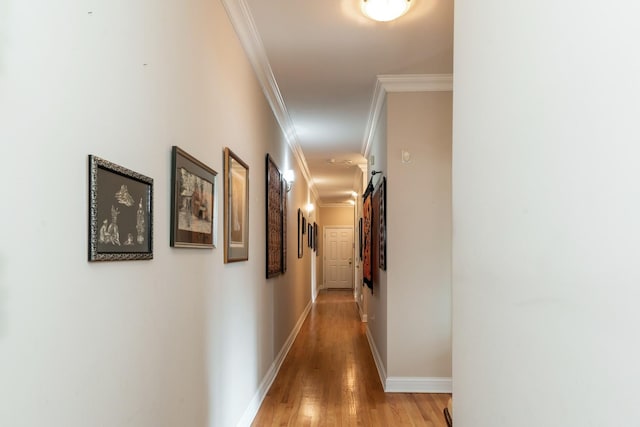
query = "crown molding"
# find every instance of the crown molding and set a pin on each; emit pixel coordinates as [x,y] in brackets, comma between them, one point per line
[358,178]
[374,116]
[336,205]
[400,83]
[416,82]
[245,27]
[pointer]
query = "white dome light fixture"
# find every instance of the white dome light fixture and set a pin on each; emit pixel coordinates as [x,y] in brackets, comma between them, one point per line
[384,10]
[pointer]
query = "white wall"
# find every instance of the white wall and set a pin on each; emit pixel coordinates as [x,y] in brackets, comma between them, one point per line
[419,235]
[409,313]
[376,301]
[546,204]
[179,340]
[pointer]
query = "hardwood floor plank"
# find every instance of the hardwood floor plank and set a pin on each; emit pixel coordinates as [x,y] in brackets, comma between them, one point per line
[329,378]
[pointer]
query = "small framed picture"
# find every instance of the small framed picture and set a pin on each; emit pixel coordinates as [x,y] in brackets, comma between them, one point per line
[236,208]
[301,225]
[274,218]
[120,213]
[382,190]
[360,238]
[194,210]
[315,238]
[284,225]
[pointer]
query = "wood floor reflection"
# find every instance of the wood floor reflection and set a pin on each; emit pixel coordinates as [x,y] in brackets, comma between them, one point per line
[329,378]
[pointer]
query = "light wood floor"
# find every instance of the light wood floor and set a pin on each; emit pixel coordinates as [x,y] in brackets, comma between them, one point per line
[329,378]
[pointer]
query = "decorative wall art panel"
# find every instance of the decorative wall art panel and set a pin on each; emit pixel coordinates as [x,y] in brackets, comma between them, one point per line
[284,225]
[382,226]
[367,271]
[193,202]
[274,218]
[236,208]
[120,213]
[301,225]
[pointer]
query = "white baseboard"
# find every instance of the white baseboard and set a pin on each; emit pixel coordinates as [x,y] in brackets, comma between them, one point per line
[407,384]
[363,315]
[254,405]
[376,358]
[418,385]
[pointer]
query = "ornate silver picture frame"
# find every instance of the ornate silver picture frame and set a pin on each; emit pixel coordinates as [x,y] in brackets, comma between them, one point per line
[120,213]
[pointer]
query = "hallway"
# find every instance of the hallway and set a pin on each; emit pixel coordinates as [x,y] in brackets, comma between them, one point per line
[329,377]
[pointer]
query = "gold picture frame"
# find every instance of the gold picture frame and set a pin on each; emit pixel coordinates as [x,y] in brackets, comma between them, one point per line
[236,208]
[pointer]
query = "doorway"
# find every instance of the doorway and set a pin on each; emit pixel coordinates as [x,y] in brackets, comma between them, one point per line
[338,257]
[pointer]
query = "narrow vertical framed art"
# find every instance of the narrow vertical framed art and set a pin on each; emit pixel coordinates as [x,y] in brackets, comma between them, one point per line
[301,226]
[236,208]
[382,235]
[367,270]
[284,225]
[274,219]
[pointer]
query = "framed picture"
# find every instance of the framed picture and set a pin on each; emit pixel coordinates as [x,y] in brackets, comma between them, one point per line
[193,202]
[301,225]
[304,225]
[310,235]
[382,234]
[367,264]
[360,238]
[236,208]
[274,218]
[120,213]
[315,238]
[284,225]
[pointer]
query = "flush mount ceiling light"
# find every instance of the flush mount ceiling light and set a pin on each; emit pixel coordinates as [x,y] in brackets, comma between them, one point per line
[384,10]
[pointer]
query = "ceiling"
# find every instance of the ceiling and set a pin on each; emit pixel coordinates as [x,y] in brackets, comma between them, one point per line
[318,62]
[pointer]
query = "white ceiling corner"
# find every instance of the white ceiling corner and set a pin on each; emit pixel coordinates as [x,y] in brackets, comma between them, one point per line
[337,205]
[400,83]
[374,115]
[416,82]
[244,25]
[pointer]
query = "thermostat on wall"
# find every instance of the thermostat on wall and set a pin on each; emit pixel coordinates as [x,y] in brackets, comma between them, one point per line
[406,156]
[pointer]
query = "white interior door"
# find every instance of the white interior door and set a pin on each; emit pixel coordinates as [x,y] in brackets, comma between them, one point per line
[338,258]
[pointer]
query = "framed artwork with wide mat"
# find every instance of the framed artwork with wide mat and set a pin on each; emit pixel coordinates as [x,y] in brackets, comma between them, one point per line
[236,208]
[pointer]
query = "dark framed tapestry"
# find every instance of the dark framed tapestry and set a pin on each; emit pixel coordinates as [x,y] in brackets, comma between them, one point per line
[284,224]
[120,213]
[375,236]
[301,224]
[193,202]
[360,239]
[274,205]
[236,208]
[315,238]
[367,271]
[382,220]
